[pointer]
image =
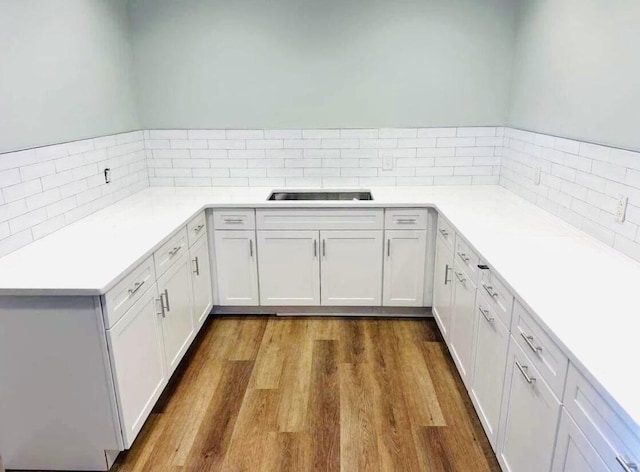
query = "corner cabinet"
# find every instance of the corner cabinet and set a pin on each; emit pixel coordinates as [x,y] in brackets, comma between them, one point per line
[236,267]
[443,284]
[201,281]
[404,267]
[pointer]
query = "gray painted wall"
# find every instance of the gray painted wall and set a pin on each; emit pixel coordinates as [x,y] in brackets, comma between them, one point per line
[331,63]
[65,71]
[577,70]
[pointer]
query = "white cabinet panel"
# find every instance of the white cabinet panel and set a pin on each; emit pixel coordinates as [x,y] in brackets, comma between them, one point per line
[574,453]
[463,316]
[529,417]
[351,272]
[137,358]
[201,281]
[443,287]
[404,267]
[236,267]
[177,311]
[491,346]
[289,266]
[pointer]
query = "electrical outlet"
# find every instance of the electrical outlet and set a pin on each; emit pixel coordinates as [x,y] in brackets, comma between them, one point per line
[621,208]
[536,175]
[387,163]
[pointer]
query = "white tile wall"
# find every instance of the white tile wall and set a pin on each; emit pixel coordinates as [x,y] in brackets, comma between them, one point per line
[580,183]
[324,157]
[45,189]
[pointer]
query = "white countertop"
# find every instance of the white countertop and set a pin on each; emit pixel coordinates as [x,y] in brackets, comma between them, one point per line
[585,292]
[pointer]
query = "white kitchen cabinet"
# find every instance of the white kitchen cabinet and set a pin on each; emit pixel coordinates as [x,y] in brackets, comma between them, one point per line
[443,286]
[236,267]
[138,362]
[528,418]
[176,307]
[490,357]
[201,281]
[573,451]
[404,267]
[289,267]
[351,273]
[463,321]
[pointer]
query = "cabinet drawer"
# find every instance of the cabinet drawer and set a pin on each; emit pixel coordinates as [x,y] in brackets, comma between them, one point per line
[405,219]
[170,252]
[614,441]
[126,292]
[196,228]
[499,298]
[468,258]
[446,232]
[234,219]
[544,353]
[319,219]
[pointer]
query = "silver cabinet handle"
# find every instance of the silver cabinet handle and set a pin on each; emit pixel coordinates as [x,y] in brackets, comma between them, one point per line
[463,256]
[626,464]
[198,228]
[324,248]
[174,251]
[406,221]
[446,274]
[251,248]
[161,306]
[523,369]
[389,247]
[166,299]
[529,340]
[444,233]
[233,220]
[315,248]
[197,270]
[485,313]
[460,277]
[136,287]
[490,290]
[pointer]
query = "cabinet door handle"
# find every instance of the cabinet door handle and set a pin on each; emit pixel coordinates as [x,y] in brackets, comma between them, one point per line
[485,313]
[197,270]
[626,464]
[523,370]
[388,247]
[174,251]
[198,228]
[460,277]
[166,299]
[251,248]
[136,287]
[161,306]
[529,340]
[446,274]
[315,248]
[324,248]
[464,257]
[490,290]
[444,233]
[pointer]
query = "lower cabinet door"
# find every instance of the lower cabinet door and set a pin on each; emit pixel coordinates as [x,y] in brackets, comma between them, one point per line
[463,322]
[351,271]
[236,267]
[574,452]
[201,281]
[490,359]
[443,287]
[528,418]
[138,363]
[404,266]
[177,311]
[289,268]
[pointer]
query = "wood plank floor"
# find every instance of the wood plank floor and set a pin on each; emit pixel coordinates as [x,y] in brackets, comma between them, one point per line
[313,394]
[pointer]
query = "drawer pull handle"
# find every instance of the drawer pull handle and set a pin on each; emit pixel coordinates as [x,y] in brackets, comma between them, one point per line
[233,220]
[174,251]
[490,290]
[485,313]
[464,257]
[529,340]
[446,274]
[197,269]
[523,370]
[162,312]
[460,277]
[198,228]
[406,221]
[444,233]
[136,287]
[626,464]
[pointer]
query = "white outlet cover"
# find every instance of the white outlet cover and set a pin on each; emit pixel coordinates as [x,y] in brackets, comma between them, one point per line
[621,208]
[387,163]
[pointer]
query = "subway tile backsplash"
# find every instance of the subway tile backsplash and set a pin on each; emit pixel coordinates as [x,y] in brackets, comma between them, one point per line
[44,189]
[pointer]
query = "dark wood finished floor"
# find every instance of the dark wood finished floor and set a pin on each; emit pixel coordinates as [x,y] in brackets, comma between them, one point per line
[314,394]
